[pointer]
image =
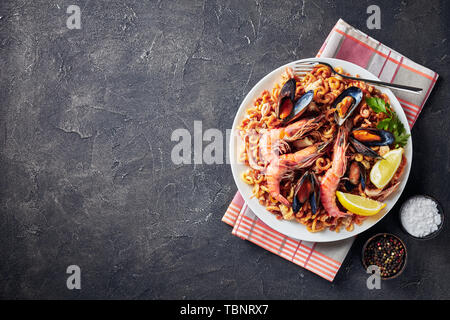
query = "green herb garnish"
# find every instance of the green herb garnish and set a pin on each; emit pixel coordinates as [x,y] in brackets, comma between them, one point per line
[392,123]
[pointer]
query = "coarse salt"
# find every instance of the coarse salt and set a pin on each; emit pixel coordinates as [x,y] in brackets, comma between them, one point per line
[420,216]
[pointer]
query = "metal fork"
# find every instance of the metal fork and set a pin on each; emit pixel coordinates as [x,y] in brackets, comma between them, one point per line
[301,68]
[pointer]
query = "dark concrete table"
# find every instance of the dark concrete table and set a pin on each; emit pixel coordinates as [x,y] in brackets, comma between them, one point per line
[86,119]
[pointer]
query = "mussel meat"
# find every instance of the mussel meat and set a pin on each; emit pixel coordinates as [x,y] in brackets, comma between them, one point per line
[372,137]
[306,188]
[346,103]
[363,149]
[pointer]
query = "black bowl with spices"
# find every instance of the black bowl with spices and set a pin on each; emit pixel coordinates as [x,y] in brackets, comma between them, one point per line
[386,251]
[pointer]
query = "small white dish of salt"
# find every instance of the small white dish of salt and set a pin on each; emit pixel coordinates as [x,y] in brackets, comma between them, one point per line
[421,216]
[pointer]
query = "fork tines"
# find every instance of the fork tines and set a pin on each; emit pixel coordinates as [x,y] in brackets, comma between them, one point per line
[301,68]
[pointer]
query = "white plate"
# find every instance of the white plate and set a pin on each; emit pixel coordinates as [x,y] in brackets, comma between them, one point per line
[292,228]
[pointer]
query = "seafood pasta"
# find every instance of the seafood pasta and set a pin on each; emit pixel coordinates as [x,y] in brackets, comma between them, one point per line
[321,150]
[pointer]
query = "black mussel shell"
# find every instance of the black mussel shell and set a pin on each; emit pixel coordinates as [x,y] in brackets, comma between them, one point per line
[301,105]
[296,205]
[372,137]
[314,201]
[364,150]
[315,195]
[356,94]
[363,176]
[288,89]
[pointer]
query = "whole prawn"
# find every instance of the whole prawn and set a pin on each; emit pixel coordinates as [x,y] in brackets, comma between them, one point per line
[330,181]
[283,167]
[273,142]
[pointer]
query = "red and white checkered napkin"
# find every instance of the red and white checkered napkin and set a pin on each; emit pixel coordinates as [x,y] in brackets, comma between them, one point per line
[346,43]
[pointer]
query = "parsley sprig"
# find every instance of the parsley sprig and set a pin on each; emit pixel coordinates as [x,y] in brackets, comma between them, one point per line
[392,123]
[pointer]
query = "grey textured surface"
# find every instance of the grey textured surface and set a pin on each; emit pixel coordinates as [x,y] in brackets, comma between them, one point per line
[85,123]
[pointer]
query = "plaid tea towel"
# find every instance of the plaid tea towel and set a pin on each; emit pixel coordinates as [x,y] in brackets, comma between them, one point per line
[346,43]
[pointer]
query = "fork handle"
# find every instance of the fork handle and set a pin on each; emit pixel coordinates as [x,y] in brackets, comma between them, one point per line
[385,84]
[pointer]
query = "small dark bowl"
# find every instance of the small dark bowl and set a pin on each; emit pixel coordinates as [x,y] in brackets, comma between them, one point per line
[431,235]
[405,258]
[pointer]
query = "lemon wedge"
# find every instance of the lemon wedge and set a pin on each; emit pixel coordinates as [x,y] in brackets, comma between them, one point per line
[383,170]
[359,205]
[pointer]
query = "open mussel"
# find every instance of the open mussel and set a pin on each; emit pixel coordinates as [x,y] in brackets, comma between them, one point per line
[356,174]
[286,100]
[372,137]
[288,109]
[346,103]
[307,188]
